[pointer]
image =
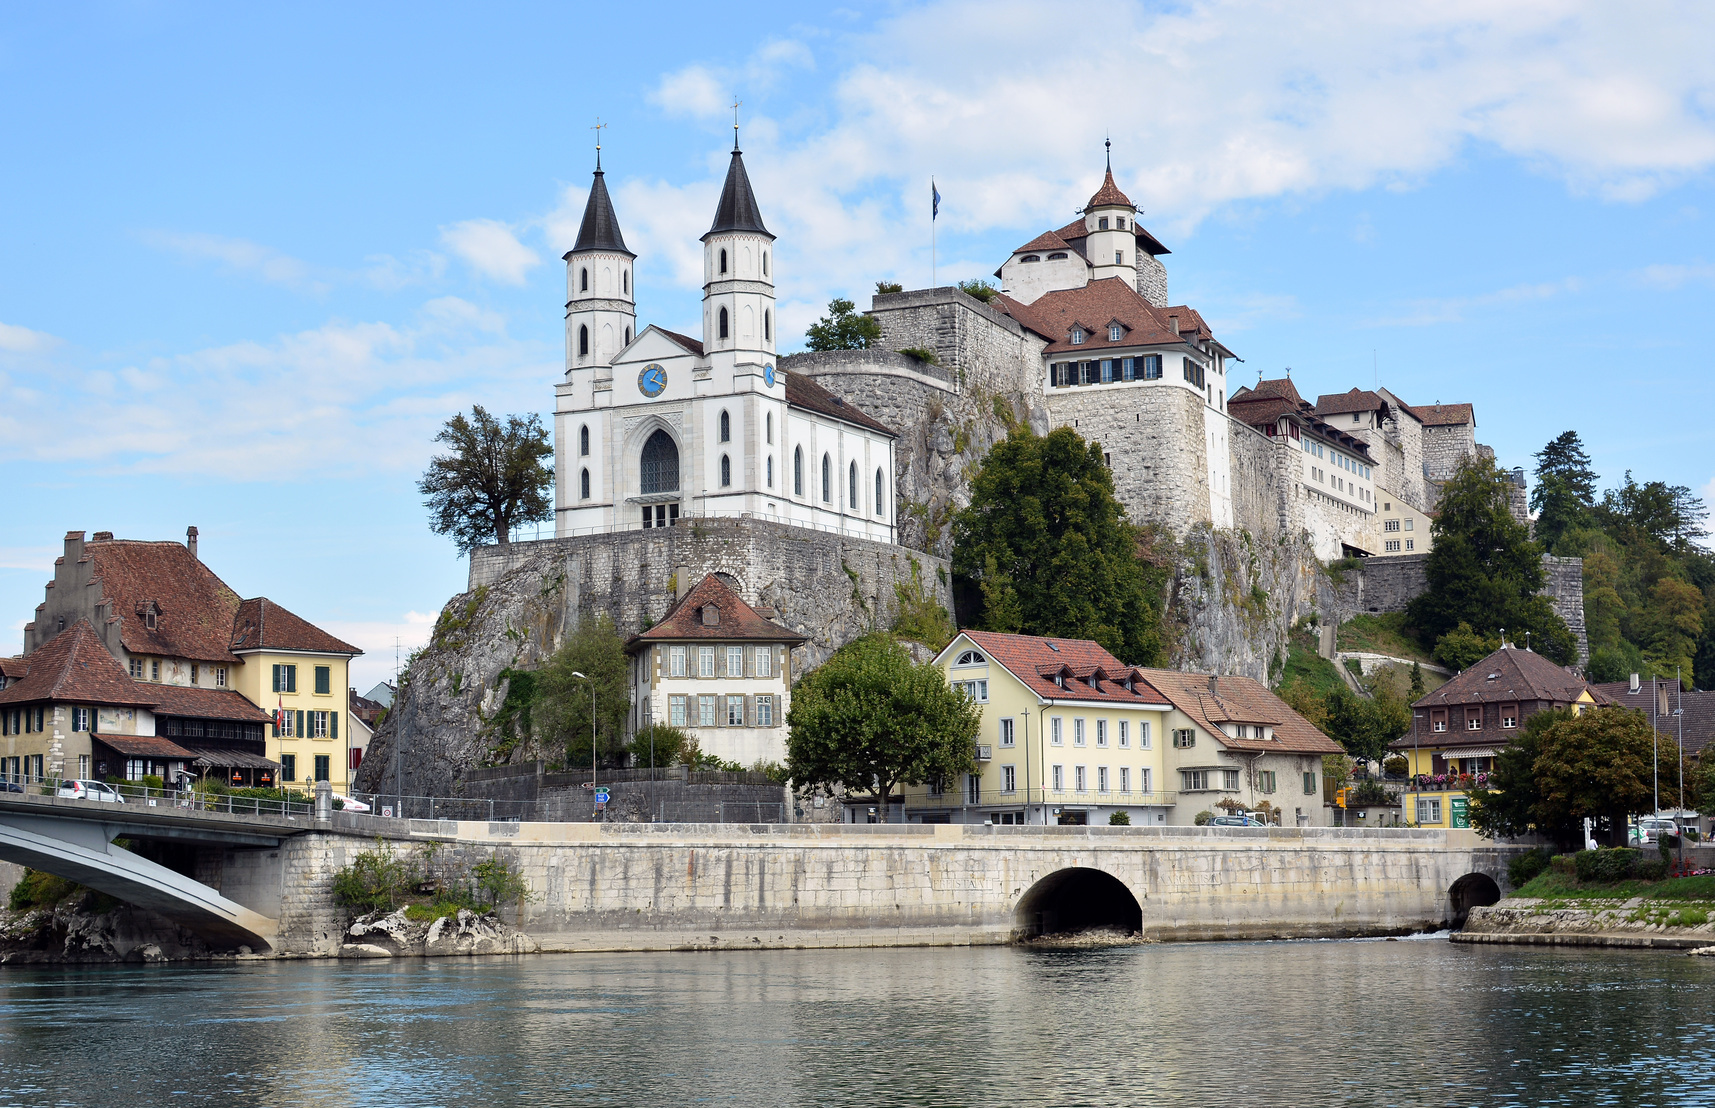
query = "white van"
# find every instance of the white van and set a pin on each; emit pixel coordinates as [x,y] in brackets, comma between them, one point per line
[90,790]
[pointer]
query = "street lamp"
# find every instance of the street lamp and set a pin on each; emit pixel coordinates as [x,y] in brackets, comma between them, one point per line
[581,677]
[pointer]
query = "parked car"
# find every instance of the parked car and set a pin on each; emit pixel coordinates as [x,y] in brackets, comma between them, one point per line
[10,787]
[1652,828]
[347,804]
[90,790]
[1235,821]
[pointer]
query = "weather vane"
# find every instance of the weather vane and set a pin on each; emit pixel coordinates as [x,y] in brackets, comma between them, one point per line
[597,129]
[735,103]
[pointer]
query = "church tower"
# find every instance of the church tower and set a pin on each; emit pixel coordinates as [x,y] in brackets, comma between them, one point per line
[601,311]
[1110,218]
[738,274]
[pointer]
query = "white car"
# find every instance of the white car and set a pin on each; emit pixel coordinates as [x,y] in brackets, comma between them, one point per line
[90,790]
[347,804]
[1653,828]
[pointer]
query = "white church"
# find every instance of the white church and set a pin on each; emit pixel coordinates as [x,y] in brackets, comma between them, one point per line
[652,427]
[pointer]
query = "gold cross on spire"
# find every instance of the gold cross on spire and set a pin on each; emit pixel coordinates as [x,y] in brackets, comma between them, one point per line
[735,103]
[597,129]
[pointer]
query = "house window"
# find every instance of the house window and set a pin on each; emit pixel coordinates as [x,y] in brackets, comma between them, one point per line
[1390,525]
[1102,223]
[1057,256]
[1077,732]
[765,711]
[1101,779]
[705,661]
[735,661]
[196,673]
[1006,728]
[1184,738]
[584,484]
[1509,715]
[798,471]
[137,668]
[584,441]
[1078,783]
[1059,779]
[1128,369]
[323,678]
[1408,524]
[1119,257]
[318,726]
[973,789]
[1101,732]
[977,692]
[284,724]
[288,767]
[1230,779]
[220,677]
[1125,733]
[1107,371]
[1152,367]
[1391,546]
[1473,719]
[851,487]
[80,719]
[1428,809]
[324,764]
[1008,779]
[827,480]
[1410,544]
[880,498]
[1265,781]
[1077,336]
[1115,332]
[1438,720]
[706,710]
[1143,735]
[155,672]
[285,678]
[765,661]
[1193,780]
[676,661]
[1125,779]
[735,711]
[726,471]
[1054,731]
[676,711]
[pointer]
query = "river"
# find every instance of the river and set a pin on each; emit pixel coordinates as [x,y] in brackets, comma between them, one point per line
[1414,1022]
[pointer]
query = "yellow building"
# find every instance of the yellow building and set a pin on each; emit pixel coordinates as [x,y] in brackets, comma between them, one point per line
[1070,735]
[299,674]
[1457,730]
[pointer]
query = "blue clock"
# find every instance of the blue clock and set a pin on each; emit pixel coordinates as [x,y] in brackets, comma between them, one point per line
[768,374]
[652,380]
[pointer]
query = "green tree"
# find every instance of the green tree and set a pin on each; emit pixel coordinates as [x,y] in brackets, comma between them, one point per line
[492,479]
[1672,623]
[1049,547]
[660,745]
[1601,765]
[884,288]
[1462,648]
[1365,725]
[1508,806]
[843,328]
[561,711]
[1484,570]
[1565,489]
[1672,515]
[1603,607]
[869,719]
[979,289]
[1417,689]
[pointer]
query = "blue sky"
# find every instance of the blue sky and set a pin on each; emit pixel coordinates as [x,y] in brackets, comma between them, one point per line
[253,257]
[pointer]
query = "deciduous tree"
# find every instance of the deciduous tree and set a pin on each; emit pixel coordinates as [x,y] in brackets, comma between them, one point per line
[1602,765]
[561,711]
[843,328]
[492,478]
[870,719]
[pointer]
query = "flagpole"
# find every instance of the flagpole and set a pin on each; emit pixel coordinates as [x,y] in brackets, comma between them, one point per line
[932,214]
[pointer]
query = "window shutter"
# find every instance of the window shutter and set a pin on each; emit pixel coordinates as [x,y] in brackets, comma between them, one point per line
[720,711]
[750,711]
[333,725]
[300,723]
[276,687]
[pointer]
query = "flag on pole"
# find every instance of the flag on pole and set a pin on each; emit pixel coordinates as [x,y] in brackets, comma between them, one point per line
[934,200]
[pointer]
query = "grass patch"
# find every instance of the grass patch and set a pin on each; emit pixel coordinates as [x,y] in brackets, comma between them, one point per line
[1386,633]
[1305,666]
[1552,885]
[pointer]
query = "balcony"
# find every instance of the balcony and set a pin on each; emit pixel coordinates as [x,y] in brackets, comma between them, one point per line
[1019,798]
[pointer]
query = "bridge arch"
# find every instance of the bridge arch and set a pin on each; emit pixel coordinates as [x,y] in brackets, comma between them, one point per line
[1077,899]
[1474,890]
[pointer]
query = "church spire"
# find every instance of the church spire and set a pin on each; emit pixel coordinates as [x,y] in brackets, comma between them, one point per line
[737,210]
[600,228]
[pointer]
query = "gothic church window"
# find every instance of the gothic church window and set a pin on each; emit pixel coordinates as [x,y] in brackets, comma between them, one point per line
[765,263]
[625,281]
[851,487]
[659,469]
[767,326]
[583,280]
[724,327]
[583,341]
[726,427]
[584,485]
[628,336]
[770,426]
[880,503]
[584,441]
[726,471]
[827,480]
[771,471]
[723,261]
[798,471]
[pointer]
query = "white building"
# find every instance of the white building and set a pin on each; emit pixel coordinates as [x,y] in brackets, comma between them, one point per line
[651,426]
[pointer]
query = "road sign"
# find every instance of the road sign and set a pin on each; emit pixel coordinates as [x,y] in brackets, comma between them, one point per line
[1459,811]
[1340,797]
[601,796]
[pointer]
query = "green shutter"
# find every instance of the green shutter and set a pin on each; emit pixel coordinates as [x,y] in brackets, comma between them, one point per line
[276,679]
[301,732]
[333,725]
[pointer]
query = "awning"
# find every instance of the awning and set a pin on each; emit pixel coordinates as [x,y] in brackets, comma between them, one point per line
[232,759]
[1471,752]
[143,746]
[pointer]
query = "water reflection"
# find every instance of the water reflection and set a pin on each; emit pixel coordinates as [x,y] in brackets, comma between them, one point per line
[1278,1023]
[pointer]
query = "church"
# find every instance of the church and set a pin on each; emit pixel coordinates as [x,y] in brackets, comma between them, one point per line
[653,427]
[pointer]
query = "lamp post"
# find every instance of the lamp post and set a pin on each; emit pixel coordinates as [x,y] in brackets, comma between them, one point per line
[591,683]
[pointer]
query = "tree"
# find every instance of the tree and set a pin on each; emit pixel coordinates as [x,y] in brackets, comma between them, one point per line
[1601,765]
[1462,648]
[1484,570]
[660,745]
[883,288]
[561,711]
[979,289]
[869,719]
[1049,548]
[1565,490]
[1417,688]
[1672,515]
[1672,623]
[1507,807]
[1365,726]
[843,328]
[492,480]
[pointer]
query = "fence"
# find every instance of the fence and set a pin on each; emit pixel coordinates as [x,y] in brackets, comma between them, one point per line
[387,806]
[187,800]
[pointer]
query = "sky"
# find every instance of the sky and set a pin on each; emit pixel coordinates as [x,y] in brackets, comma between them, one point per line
[252,257]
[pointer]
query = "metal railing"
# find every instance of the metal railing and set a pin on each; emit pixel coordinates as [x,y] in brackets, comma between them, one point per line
[1088,798]
[392,806]
[862,527]
[183,800]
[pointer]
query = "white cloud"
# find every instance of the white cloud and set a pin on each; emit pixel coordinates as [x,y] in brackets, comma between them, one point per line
[703,91]
[29,557]
[1428,312]
[491,248]
[22,340]
[379,640]
[1674,276]
[240,256]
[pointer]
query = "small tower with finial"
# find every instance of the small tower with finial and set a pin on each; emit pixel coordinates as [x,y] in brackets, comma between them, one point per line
[1110,218]
[601,306]
[738,271]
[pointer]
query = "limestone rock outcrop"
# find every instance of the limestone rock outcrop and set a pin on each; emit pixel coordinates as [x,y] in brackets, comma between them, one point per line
[392,935]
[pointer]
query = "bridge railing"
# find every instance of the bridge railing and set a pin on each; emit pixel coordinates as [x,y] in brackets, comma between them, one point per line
[184,800]
[393,806]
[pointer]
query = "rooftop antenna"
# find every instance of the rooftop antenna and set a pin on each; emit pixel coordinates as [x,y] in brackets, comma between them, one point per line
[597,129]
[735,103]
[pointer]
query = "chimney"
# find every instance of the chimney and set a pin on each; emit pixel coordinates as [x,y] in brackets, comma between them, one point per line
[1214,690]
[1173,321]
[1661,703]
[74,546]
[1635,684]
[191,540]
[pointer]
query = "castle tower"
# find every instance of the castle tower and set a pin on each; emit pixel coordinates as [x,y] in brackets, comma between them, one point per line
[601,310]
[1111,220]
[738,274]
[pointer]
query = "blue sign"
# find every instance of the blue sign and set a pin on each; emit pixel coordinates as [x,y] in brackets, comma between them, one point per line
[601,796]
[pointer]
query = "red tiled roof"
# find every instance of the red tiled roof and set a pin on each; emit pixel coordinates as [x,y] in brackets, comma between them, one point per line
[262,624]
[1035,659]
[1074,233]
[144,746]
[75,665]
[14,668]
[194,607]
[1341,403]
[1047,240]
[1699,706]
[801,392]
[736,621]
[1516,675]
[686,341]
[1109,194]
[1443,415]
[1212,701]
[364,708]
[1112,299]
[1279,388]
[200,703]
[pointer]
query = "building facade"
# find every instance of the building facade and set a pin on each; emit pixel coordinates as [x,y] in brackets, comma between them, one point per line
[297,673]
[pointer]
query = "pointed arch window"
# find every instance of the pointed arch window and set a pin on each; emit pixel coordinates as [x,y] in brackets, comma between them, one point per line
[851,487]
[798,471]
[765,263]
[584,485]
[770,425]
[880,498]
[628,336]
[724,326]
[827,479]
[659,465]
[771,471]
[583,341]
[726,427]
[625,281]
[767,326]
[726,471]
[723,261]
[583,280]
[584,441]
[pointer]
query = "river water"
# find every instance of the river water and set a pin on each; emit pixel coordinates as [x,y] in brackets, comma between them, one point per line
[1414,1022]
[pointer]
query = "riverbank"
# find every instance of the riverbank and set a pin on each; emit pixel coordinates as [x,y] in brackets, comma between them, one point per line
[1634,922]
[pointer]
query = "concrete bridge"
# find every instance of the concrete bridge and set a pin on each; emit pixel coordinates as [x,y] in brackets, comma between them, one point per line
[267,882]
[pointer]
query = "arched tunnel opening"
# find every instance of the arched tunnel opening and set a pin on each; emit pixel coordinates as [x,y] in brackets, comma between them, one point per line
[1474,890]
[1072,900]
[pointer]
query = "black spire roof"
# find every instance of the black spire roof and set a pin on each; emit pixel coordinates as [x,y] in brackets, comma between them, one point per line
[600,228]
[737,210]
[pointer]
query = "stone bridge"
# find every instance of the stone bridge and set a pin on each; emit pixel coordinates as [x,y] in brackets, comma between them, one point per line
[710,886]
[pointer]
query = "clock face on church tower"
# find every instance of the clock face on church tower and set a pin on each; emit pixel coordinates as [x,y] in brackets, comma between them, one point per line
[652,380]
[768,374]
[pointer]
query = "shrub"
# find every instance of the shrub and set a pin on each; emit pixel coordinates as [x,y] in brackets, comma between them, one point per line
[1522,869]
[153,781]
[39,890]
[1653,870]
[1119,819]
[1203,817]
[1396,765]
[1612,864]
[376,880]
[498,883]
[1562,864]
[1367,793]
[922,354]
